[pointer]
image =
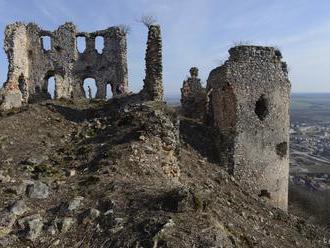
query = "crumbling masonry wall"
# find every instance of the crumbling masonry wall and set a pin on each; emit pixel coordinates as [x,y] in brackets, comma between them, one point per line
[193,96]
[31,65]
[249,110]
[153,82]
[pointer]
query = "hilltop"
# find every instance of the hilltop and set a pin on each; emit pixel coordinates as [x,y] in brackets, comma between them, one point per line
[120,174]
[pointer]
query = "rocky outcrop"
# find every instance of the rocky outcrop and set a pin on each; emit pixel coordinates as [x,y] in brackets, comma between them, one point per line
[136,184]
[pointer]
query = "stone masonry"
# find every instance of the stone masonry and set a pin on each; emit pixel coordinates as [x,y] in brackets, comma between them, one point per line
[153,82]
[249,110]
[193,96]
[31,65]
[246,100]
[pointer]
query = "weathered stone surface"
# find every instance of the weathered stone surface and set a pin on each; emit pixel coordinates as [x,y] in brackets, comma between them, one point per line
[74,204]
[11,99]
[37,190]
[8,240]
[153,82]
[249,109]
[36,160]
[31,226]
[31,64]
[19,208]
[4,178]
[66,224]
[193,96]
[7,221]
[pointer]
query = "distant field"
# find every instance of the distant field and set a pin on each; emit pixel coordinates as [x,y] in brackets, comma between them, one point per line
[310,101]
[173,100]
[310,107]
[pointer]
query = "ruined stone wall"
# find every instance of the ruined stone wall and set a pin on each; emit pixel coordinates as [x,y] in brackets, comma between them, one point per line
[15,46]
[193,96]
[153,82]
[249,110]
[31,65]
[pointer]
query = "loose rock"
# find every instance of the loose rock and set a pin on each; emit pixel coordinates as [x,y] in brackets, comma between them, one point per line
[31,226]
[19,208]
[37,190]
[7,221]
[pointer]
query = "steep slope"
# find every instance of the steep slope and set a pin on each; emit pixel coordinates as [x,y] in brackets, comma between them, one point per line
[118,174]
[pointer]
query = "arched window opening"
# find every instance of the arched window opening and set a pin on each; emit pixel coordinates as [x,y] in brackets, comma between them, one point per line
[90,88]
[51,87]
[109,93]
[99,44]
[46,43]
[81,44]
[261,108]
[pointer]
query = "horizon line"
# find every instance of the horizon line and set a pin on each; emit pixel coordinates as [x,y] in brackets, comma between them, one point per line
[313,92]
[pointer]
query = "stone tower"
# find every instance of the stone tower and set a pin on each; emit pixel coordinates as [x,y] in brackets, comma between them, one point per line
[193,96]
[249,110]
[153,82]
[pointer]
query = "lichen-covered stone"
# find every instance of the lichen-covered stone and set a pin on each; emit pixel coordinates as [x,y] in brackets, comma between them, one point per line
[66,224]
[7,221]
[74,204]
[19,208]
[31,226]
[37,190]
[249,110]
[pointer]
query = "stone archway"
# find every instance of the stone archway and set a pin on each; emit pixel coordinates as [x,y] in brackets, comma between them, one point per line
[49,86]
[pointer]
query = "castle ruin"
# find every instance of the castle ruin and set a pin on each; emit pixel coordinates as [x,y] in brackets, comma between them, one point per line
[246,101]
[31,64]
[249,111]
[193,96]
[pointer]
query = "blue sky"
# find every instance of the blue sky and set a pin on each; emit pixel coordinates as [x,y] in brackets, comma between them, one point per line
[196,32]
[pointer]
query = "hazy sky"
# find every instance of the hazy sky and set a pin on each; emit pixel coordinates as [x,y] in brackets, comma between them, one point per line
[196,32]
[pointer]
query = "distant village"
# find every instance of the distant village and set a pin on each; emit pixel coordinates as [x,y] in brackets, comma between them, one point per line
[310,155]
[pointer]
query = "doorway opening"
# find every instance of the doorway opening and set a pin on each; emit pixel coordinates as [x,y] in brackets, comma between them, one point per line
[90,88]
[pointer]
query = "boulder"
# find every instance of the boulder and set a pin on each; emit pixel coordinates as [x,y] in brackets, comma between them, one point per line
[37,190]
[19,208]
[31,226]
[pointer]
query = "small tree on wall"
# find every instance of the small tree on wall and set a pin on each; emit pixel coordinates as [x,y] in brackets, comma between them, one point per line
[148,20]
[125,28]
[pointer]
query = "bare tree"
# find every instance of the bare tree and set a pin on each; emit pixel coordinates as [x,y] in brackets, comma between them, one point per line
[125,28]
[148,20]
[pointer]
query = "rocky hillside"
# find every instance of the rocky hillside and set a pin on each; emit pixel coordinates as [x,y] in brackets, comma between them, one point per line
[118,174]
